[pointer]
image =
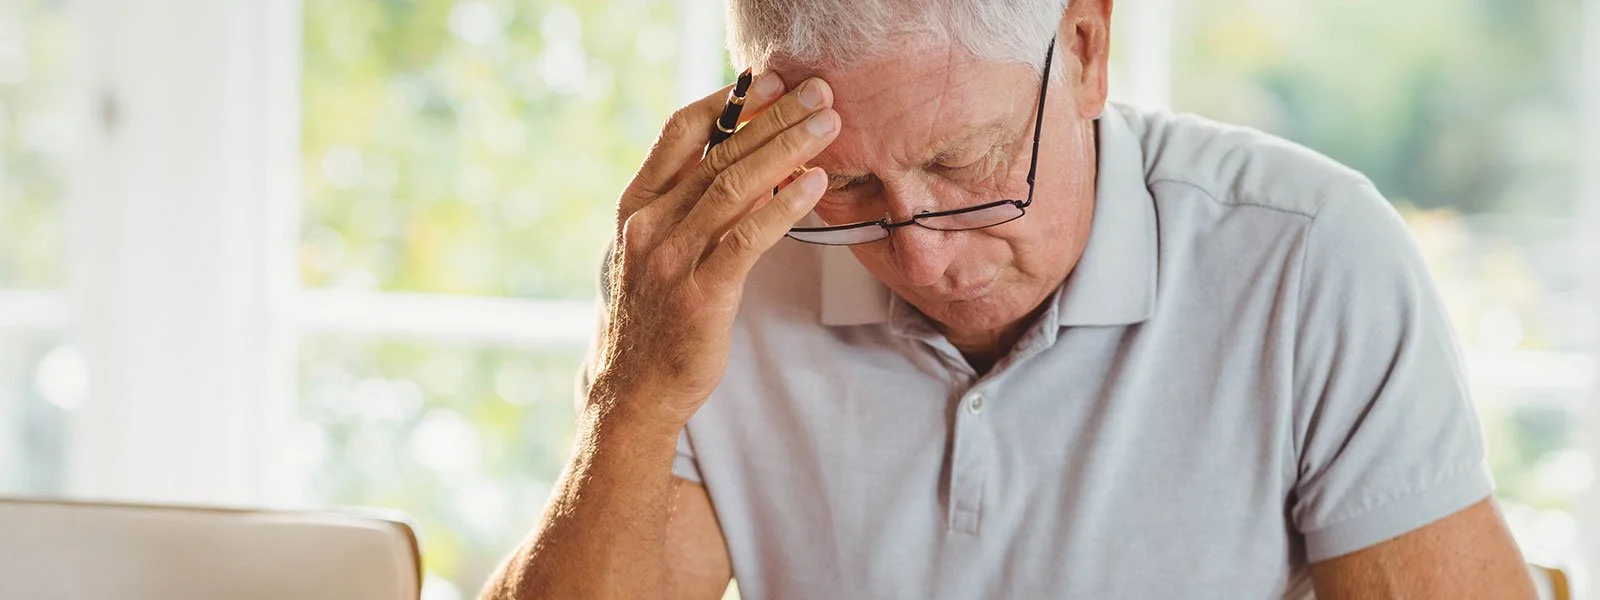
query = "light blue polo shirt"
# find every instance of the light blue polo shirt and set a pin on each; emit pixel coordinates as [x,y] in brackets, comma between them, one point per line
[1249,370]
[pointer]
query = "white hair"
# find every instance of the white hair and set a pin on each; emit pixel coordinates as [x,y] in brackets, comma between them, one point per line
[837,33]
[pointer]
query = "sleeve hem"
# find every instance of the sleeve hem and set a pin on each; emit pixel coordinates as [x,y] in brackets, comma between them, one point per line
[683,467]
[1401,516]
[684,464]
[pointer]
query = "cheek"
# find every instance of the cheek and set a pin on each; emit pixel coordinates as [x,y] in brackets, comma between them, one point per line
[875,257]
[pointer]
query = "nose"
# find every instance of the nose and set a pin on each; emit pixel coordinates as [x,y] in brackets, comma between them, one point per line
[920,255]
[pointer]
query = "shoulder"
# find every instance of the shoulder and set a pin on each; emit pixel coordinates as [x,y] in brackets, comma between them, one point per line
[1238,166]
[1345,224]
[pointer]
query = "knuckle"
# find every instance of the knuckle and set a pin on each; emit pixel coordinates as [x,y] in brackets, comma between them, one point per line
[796,141]
[636,234]
[630,201]
[744,238]
[680,125]
[728,186]
[788,111]
[723,156]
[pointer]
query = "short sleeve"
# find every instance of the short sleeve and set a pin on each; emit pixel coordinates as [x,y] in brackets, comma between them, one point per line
[1387,437]
[683,464]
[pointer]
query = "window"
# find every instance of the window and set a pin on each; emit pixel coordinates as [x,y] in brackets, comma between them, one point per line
[461,164]
[35,47]
[1465,115]
[467,440]
[41,376]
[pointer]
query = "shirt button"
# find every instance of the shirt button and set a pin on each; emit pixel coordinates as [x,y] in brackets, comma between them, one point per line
[975,404]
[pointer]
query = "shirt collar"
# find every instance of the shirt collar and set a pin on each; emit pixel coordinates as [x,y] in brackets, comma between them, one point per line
[1114,283]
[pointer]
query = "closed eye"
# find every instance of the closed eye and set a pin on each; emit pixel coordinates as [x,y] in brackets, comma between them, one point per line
[977,168]
[844,183]
[955,161]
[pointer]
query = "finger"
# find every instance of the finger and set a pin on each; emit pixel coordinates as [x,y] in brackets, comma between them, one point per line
[738,251]
[781,116]
[683,140]
[679,138]
[793,175]
[811,96]
[766,90]
[731,195]
[757,104]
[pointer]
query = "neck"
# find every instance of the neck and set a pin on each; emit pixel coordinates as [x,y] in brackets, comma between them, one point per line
[984,348]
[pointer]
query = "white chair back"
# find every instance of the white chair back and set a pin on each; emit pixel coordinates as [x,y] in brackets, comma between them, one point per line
[53,550]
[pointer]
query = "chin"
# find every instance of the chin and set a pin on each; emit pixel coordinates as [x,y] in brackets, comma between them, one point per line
[978,314]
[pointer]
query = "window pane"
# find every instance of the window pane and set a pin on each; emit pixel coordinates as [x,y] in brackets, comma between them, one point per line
[1470,106]
[35,40]
[466,440]
[468,147]
[41,379]
[1464,115]
[41,382]
[476,146]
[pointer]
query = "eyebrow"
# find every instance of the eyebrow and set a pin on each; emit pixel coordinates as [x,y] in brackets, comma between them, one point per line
[992,131]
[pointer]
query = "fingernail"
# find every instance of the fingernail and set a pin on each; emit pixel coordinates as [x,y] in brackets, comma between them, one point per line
[812,181]
[769,85]
[820,124]
[811,94]
[807,187]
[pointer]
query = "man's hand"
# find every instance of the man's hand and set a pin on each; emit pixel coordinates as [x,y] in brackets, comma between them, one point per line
[688,231]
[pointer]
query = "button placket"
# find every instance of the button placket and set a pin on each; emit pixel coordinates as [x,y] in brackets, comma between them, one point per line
[968,461]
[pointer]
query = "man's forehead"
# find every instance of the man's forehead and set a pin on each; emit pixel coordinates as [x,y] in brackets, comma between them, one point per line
[919,75]
[847,164]
[917,108]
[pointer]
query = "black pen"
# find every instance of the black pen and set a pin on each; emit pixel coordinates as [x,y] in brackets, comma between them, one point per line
[729,120]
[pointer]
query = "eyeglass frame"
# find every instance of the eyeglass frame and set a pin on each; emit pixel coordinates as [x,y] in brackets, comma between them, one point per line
[1022,205]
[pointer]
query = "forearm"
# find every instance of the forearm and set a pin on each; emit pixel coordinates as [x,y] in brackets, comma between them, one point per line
[604,533]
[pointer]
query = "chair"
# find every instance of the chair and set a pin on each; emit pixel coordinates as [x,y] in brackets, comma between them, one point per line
[1552,583]
[54,550]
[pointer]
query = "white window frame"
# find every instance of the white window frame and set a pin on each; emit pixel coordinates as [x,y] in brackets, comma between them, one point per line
[1588,512]
[184,229]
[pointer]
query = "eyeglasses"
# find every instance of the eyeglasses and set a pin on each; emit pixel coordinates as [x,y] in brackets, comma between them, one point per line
[962,219]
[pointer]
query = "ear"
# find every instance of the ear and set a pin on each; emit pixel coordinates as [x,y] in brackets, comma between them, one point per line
[1084,44]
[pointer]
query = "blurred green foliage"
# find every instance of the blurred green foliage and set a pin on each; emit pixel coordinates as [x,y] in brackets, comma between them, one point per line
[35,134]
[466,440]
[1466,104]
[469,147]
[475,146]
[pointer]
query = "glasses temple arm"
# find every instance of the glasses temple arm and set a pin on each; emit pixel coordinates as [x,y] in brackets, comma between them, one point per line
[1038,123]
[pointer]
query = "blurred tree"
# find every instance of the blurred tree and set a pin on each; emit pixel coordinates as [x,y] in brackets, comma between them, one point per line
[475,146]
[470,147]
[35,137]
[1443,103]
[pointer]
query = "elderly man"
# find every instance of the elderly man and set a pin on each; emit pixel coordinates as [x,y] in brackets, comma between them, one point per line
[1022,344]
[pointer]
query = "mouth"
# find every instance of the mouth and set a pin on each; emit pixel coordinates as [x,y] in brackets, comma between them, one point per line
[969,292]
